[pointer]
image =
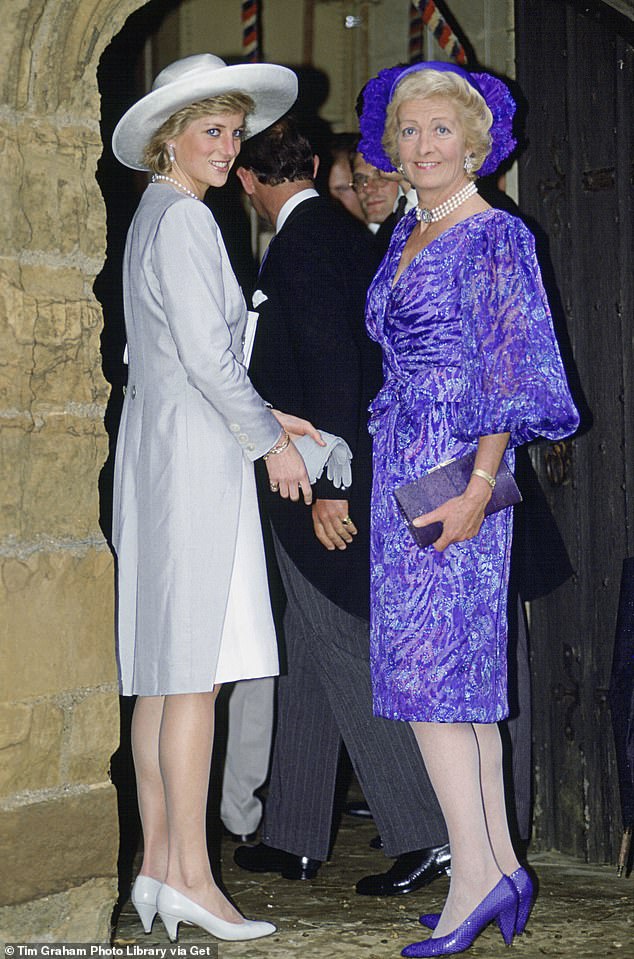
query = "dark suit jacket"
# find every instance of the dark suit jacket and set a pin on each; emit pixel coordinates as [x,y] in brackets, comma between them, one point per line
[312,357]
[384,233]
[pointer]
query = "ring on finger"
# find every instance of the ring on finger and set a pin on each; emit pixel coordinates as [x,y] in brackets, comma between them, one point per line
[274,487]
[346,521]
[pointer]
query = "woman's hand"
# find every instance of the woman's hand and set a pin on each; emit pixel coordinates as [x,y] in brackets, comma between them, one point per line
[332,524]
[287,470]
[296,426]
[461,516]
[287,473]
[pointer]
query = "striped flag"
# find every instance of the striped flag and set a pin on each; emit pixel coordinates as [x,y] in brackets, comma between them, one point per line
[427,12]
[251,30]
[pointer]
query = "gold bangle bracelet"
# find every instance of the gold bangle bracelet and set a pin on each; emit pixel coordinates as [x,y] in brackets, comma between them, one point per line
[485,476]
[281,445]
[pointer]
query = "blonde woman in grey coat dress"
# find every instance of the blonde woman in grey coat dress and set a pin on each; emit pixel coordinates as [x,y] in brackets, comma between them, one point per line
[193,606]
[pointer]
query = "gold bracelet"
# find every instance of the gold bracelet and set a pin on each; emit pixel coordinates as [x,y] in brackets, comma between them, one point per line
[281,445]
[485,476]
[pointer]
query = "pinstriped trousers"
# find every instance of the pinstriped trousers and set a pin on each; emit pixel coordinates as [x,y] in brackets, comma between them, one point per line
[324,698]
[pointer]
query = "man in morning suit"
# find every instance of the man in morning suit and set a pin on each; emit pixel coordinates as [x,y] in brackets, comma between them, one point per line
[312,353]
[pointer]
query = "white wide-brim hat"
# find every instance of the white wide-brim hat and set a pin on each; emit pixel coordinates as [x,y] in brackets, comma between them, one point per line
[272,88]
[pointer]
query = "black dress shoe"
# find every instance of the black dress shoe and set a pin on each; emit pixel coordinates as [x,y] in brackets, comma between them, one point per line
[376,842]
[409,872]
[360,810]
[263,858]
[239,836]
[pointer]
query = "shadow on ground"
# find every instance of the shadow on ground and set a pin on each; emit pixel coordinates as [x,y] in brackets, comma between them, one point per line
[582,912]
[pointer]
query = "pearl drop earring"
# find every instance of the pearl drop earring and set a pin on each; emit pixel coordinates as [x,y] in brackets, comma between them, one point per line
[401,169]
[170,152]
[469,164]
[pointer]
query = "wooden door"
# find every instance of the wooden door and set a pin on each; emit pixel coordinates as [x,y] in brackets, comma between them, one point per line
[575,68]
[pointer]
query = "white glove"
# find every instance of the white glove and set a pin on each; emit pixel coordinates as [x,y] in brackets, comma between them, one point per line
[336,456]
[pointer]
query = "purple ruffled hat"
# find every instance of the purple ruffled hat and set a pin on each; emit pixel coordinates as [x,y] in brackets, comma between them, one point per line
[378,92]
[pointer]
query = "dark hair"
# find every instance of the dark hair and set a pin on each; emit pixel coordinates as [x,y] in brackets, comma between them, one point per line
[279,154]
[344,144]
[340,146]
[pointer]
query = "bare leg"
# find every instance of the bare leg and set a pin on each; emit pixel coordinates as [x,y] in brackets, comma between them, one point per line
[185,748]
[172,741]
[146,726]
[451,755]
[490,744]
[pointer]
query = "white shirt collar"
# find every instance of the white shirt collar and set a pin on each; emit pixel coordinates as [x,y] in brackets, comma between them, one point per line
[290,205]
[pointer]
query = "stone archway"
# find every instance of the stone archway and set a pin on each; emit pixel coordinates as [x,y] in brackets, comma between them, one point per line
[58,701]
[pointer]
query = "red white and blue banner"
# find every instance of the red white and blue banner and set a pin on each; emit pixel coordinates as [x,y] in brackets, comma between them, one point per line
[424,14]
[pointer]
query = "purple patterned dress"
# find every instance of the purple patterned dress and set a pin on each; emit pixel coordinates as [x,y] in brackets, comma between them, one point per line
[468,350]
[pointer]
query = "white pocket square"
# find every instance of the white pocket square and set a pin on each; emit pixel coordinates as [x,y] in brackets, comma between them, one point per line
[258,298]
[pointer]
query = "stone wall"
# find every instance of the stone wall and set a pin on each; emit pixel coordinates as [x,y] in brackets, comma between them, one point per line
[58,701]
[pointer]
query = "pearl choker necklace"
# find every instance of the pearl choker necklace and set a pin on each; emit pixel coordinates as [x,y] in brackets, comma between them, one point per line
[427,216]
[170,179]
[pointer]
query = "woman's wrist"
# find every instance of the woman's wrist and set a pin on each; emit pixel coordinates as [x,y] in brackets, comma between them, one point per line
[479,488]
[483,474]
[282,444]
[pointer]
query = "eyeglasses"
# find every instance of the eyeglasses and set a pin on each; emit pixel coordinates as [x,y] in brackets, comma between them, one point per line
[360,181]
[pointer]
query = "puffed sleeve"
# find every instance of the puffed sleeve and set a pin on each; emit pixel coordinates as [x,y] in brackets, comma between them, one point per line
[514,377]
[188,263]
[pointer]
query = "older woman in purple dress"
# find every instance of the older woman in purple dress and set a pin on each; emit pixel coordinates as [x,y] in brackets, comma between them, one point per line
[471,364]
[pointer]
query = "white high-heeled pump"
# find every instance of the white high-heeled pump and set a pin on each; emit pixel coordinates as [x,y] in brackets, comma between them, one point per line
[173,907]
[143,897]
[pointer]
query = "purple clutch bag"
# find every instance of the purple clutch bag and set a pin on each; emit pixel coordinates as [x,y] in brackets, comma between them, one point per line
[442,483]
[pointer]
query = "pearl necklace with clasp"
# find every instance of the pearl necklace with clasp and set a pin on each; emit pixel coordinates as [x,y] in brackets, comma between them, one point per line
[156,177]
[426,216]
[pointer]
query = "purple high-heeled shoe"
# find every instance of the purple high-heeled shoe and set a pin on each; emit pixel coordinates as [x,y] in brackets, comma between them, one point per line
[500,905]
[524,887]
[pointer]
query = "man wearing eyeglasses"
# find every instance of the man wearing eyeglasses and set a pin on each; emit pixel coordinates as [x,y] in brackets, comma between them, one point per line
[377,191]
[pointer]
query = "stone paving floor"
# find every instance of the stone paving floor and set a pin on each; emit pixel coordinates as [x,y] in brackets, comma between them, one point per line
[582,911]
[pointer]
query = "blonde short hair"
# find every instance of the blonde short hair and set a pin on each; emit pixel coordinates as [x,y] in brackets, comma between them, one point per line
[155,155]
[474,115]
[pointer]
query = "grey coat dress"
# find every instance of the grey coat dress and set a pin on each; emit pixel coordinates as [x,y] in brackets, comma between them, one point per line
[192,425]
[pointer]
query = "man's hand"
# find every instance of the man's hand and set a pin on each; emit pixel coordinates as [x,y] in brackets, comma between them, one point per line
[333,527]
